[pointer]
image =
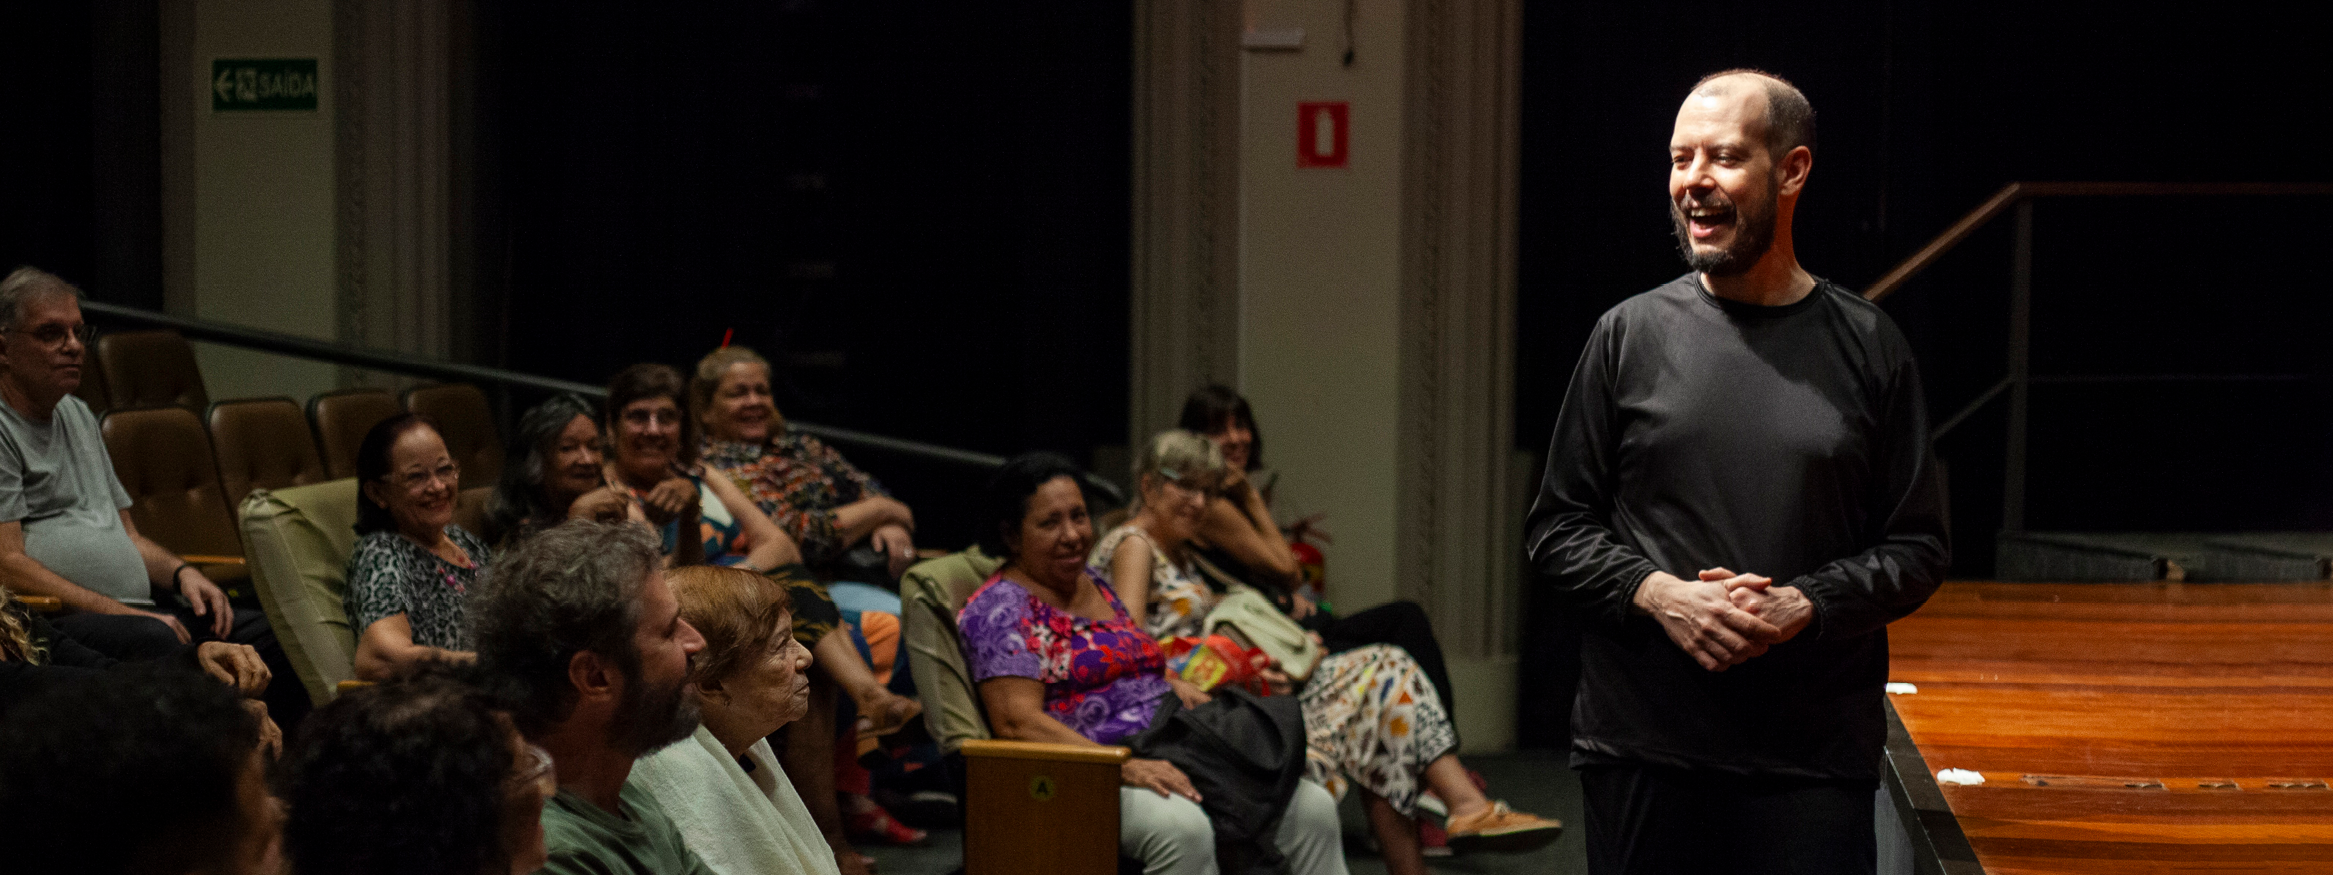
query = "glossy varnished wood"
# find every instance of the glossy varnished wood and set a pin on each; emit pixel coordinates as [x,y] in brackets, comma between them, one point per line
[2133,728]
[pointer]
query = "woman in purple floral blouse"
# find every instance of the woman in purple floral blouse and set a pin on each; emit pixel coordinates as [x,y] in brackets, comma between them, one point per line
[1056,658]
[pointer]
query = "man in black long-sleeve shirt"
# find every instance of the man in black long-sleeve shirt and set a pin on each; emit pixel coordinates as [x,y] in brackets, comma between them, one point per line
[1739,496]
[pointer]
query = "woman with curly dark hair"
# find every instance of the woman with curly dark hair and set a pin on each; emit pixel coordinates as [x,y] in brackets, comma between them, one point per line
[425,773]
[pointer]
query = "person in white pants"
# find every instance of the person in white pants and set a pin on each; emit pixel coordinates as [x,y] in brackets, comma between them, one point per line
[1056,658]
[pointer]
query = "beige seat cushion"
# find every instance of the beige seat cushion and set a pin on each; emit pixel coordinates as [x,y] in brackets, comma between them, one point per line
[930,594]
[298,540]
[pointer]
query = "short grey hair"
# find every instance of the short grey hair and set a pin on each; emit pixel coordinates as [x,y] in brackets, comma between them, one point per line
[1176,454]
[25,285]
[570,588]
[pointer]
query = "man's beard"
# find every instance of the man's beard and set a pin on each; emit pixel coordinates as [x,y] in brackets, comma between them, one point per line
[652,719]
[1753,235]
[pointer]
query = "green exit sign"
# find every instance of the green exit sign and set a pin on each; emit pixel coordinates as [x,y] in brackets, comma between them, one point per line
[263,84]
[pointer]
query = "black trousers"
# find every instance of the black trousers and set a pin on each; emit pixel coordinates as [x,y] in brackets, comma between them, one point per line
[1649,820]
[135,638]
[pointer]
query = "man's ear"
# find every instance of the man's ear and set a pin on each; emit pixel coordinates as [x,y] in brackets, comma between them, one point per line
[1794,168]
[591,675]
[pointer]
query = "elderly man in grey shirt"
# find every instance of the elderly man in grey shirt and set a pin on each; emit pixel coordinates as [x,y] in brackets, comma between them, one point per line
[65,529]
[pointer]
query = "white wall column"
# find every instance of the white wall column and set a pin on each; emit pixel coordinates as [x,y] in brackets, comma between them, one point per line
[1374,304]
[1185,308]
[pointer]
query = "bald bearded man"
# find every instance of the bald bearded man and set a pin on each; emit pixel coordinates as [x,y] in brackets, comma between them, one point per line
[1740,496]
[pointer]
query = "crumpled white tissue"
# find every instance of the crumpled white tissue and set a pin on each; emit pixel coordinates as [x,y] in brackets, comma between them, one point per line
[1901,689]
[1959,776]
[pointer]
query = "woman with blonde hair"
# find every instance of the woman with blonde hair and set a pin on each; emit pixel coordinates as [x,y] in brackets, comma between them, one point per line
[1371,716]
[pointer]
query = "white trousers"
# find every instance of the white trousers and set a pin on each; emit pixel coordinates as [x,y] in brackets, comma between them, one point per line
[1171,835]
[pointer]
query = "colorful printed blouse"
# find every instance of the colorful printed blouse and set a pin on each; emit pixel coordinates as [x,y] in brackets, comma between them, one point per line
[723,536]
[798,480]
[1178,602]
[1103,678]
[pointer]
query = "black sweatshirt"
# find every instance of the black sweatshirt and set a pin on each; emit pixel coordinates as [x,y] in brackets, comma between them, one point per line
[1785,441]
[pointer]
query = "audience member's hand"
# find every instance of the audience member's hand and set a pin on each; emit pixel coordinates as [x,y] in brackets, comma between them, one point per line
[1190,693]
[1300,606]
[271,736]
[236,665]
[604,504]
[896,544]
[1158,776]
[208,601]
[1235,486]
[671,497]
[1278,681]
[1308,529]
[1702,620]
[176,628]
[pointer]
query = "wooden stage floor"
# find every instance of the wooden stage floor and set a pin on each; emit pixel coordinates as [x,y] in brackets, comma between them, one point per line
[2127,728]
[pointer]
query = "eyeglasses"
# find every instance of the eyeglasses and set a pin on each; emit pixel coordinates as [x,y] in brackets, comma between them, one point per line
[54,334]
[535,769]
[415,481]
[646,417]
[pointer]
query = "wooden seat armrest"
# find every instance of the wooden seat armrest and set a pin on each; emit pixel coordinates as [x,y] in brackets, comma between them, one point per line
[1047,751]
[345,686]
[42,604]
[207,559]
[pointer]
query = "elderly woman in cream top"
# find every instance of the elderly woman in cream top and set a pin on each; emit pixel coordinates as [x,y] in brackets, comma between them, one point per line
[723,786]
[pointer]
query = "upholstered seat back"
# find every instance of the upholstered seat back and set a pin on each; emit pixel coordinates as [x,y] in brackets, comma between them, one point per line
[163,458]
[300,538]
[930,594]
[341,420]
[150,368]
[263,443]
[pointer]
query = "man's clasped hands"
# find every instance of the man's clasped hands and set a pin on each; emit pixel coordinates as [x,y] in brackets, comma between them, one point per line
[1723,619]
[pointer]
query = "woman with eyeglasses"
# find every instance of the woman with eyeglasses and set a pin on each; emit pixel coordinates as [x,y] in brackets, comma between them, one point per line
[714,523]
[412,568]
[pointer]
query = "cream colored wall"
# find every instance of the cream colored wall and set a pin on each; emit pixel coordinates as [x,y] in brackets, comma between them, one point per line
[256,193]
[1319,288]
[1321,308]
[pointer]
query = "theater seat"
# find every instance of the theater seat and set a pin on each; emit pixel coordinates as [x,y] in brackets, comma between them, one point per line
[341,420]
[150,369]
[300,538]
[263,443]
[163,458]
[467,424]
[1028,806]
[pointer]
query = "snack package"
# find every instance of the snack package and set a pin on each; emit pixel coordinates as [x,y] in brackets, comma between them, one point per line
[1216,661]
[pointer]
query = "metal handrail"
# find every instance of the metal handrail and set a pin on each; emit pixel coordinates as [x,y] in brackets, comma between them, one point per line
[2018,197]
[2017,193]
[402,363]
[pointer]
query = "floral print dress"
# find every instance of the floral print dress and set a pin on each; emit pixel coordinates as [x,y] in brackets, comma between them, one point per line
[798,480]
[1103,679]
[1371,715]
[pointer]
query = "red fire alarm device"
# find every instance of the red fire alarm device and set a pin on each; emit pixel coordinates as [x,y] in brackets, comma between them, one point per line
[1320,134]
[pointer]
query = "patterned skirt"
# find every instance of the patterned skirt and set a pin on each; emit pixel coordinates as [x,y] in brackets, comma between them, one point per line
[1372,717]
